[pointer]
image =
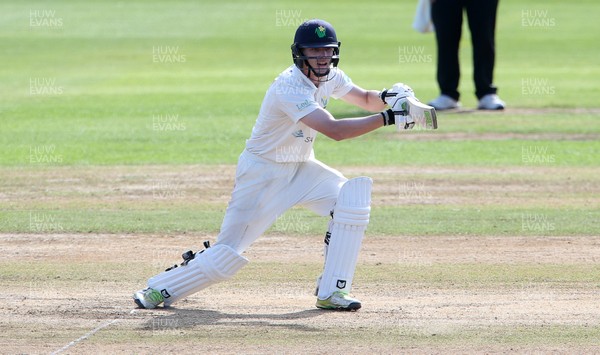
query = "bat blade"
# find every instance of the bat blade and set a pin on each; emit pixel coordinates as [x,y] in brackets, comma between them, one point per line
[424,115]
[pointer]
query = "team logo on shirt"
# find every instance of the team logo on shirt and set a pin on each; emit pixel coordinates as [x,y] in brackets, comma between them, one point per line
[298,134]
[324,101]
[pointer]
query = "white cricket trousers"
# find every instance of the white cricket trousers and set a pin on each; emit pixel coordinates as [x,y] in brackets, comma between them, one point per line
[264,190]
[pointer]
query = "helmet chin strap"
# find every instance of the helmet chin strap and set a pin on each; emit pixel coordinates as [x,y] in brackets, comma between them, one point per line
[311,69]
[318,76]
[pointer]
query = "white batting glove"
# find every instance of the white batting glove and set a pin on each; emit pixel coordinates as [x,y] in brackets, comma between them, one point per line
[398,115]
[397,92]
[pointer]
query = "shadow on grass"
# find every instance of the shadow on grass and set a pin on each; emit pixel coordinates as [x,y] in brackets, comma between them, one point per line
[175,318]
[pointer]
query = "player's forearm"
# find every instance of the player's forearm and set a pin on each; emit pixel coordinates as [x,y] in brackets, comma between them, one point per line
[343,128]
[366,99]
[374,101]
[354,127]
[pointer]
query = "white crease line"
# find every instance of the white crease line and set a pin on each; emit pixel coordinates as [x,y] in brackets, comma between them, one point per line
[89,334]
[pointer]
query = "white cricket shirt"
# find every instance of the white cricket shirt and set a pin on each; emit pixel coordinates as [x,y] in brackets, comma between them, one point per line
[278,135]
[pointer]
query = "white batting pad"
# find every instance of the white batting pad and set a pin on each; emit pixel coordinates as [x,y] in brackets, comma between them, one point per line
[350,220]
[215,264]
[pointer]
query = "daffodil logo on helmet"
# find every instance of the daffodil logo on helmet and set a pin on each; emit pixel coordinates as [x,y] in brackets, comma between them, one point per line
[320,31]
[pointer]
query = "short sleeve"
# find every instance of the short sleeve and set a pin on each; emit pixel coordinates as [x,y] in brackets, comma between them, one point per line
[343,84]
[296,101]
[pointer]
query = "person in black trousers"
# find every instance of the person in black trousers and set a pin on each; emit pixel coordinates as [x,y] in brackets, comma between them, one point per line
[447,17]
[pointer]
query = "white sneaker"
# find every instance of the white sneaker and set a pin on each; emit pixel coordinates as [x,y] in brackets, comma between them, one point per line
[339,300]
[148,298]
[491,102]
[444,102]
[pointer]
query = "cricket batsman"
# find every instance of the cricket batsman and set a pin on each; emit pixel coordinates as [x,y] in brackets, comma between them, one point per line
[278,170]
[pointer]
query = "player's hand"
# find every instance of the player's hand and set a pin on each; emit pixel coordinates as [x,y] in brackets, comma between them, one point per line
[397,92]
[396,99]
[399,116]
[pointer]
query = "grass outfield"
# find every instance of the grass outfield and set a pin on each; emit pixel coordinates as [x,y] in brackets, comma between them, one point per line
[120,127]
[133,83]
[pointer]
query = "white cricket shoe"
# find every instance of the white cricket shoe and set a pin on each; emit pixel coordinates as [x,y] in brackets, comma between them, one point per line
[491,102]
[444,102]
[339,300]
[147,298]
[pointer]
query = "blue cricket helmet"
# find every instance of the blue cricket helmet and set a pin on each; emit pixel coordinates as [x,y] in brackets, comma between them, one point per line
[315,34]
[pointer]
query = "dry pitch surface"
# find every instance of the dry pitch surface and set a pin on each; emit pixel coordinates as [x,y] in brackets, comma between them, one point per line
[439,294]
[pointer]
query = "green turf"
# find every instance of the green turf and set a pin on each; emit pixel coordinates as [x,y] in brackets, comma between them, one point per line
[165,138]
[90,85]
[404,220]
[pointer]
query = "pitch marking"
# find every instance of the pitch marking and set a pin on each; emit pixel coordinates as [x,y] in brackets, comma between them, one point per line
[89,334]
